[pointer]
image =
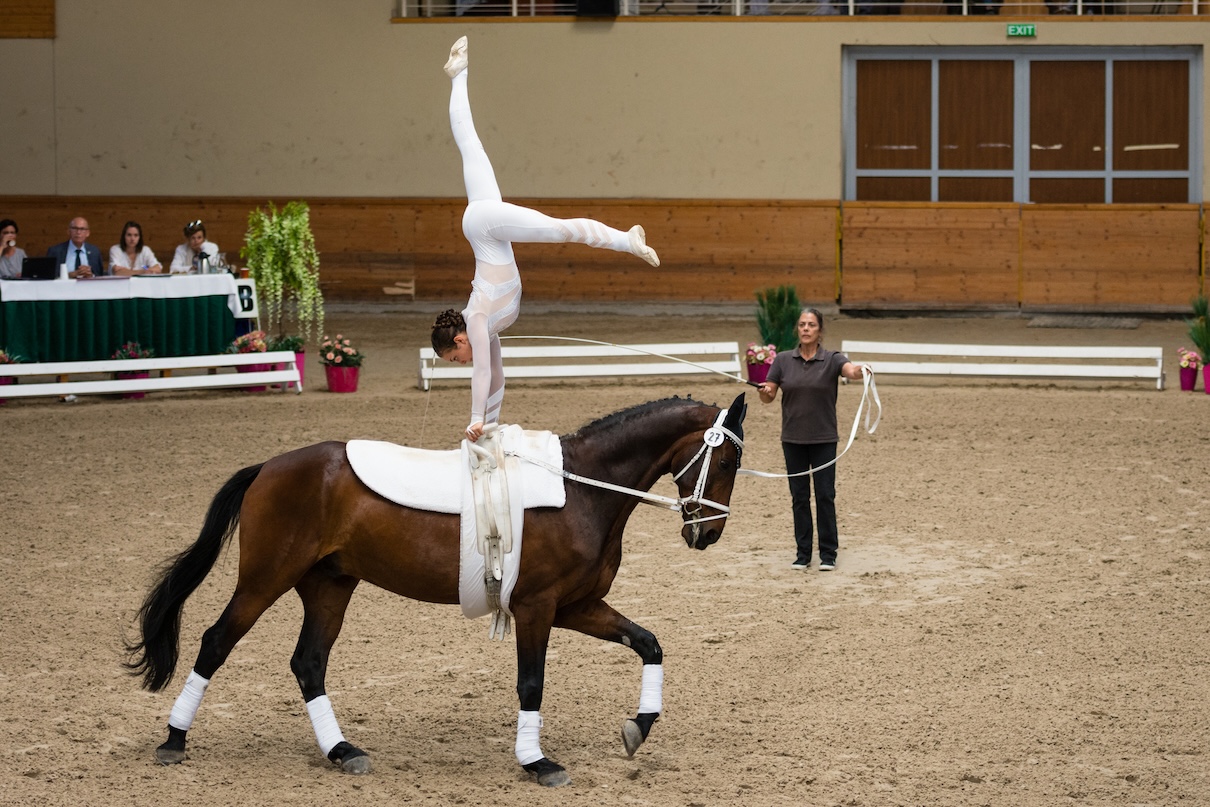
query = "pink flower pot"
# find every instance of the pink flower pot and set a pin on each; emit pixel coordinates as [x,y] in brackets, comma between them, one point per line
[1206,378]
[254,368]
[341,379]
[4,382]
[134,374]
[757,373]
[300,361]
[1188,379]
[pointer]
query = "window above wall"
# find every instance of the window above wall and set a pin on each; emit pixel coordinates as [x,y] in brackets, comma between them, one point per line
[1089,125]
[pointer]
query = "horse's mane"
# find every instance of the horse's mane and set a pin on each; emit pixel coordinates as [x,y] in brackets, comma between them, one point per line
[636,412]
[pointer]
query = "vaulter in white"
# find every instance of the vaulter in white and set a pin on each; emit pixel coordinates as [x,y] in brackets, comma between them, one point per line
[491,225]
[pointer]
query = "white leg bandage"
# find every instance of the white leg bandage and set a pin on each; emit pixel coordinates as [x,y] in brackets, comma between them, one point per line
[187,703]
[651,696]
[323,720]
[528,750]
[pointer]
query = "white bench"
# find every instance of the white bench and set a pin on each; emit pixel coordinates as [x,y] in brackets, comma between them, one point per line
[1129,362]
[63,371]
[567,361]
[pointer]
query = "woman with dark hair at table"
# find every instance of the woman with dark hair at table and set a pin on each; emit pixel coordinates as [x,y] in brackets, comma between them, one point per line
[11,255]
[130,256]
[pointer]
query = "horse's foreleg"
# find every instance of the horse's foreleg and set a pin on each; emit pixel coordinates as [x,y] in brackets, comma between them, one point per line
[324,601]
[533,635]
[597,619]
[237,619]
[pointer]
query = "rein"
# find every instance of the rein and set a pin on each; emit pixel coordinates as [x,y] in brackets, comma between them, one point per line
[869,391]
[711,439]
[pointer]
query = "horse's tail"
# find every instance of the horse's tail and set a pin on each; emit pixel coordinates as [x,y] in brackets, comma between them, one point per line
[154,658]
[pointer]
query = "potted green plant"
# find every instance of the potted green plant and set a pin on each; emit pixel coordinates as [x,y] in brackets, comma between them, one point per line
[295,344]
[1199,335]
[279,249]
[777,312]
[342,363]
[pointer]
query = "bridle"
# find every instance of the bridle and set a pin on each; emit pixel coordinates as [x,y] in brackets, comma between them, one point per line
[690,505]
[712,439]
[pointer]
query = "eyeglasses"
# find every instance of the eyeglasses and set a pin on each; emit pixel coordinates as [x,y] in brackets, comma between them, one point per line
[79,229]
[193,224]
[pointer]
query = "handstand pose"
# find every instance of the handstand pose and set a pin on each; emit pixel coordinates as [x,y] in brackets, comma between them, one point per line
[491,225]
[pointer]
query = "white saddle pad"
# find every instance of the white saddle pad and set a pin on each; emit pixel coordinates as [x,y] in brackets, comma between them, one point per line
[440,482]
[433,480]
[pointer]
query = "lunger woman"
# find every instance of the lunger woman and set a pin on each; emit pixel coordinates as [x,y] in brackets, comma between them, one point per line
[491,225]
[807,378]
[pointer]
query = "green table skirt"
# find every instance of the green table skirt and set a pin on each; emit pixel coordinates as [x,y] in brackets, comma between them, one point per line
[86,330]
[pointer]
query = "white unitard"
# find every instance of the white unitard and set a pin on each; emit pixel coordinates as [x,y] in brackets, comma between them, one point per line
[491,225]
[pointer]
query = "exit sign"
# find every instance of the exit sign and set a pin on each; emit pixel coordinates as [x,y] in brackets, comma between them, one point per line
[1022,30]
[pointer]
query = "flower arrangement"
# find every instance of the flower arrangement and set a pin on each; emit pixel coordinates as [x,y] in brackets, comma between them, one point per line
[339,352]
[133,350]
[252,342]
[1189,358]
[760,354]
[9,358]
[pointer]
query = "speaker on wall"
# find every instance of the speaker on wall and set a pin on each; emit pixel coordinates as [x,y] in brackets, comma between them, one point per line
[597,8]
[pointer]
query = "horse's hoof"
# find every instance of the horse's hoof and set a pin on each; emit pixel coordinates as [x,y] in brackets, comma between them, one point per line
[632,736]
[350,758]
[549,774]
[169,756]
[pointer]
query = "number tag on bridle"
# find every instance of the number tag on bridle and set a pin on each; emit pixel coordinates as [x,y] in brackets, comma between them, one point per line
[714,437]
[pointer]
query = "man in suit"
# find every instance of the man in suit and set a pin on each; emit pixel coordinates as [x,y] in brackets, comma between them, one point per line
[82,258]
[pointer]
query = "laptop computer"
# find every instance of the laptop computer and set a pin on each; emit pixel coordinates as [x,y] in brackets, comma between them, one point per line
[42,268]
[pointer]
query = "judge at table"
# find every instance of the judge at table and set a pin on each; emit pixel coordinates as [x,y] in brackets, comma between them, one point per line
[11,255]
[82,258]
[189,255]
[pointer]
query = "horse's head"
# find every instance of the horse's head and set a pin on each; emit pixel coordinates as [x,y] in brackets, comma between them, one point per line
[704,471]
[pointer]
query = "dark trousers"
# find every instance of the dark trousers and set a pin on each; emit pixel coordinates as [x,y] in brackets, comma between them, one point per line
[800,458]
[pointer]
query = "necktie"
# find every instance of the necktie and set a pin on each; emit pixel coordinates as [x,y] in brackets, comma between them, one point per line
[79,252]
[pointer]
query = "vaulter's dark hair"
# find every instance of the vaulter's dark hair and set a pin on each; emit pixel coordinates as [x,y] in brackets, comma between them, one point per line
[448,325]
[9,223]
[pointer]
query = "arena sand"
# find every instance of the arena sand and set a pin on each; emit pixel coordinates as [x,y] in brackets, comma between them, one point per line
[1018,617]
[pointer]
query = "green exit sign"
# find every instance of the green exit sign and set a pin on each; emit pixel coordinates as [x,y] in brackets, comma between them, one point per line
[1022,30]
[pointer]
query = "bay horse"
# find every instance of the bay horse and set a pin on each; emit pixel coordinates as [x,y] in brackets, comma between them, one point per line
[307,522]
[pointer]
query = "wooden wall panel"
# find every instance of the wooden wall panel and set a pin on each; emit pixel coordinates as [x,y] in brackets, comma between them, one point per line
[927,256]
[709,251]
[27,19]
[906,255]
[1103,257]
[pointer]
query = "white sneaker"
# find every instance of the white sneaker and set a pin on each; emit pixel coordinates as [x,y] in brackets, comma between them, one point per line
[799,565]
[458,58]
[638,245]
[827,565]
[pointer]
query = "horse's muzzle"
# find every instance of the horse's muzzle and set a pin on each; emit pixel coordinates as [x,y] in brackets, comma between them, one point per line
[701,537]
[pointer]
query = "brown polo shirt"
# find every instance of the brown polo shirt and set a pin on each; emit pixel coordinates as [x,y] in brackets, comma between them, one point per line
[808,395]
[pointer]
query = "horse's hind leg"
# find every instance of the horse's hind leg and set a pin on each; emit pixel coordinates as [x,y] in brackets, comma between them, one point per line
[241,613]
[324,599]
[595,618]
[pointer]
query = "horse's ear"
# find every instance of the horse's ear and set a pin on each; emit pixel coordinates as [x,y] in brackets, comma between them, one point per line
[736,412]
